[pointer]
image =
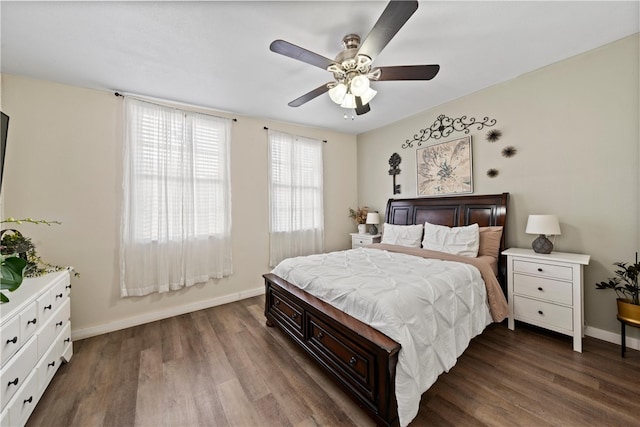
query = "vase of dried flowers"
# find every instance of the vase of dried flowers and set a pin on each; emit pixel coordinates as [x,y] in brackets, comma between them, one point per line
[359,215]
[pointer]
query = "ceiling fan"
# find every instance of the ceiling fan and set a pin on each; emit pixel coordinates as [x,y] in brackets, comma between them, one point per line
[352,68]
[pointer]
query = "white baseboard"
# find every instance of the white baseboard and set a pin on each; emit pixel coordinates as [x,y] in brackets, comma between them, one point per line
[612,337]
[79,334]
[164,314]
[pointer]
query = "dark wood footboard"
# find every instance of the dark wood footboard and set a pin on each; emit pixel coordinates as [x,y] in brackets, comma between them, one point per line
[359,358]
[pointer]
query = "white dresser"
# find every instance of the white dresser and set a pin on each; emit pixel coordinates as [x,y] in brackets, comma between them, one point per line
[546,290]
[35,337]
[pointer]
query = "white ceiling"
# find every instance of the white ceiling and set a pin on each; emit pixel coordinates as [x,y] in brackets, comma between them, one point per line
[216,54]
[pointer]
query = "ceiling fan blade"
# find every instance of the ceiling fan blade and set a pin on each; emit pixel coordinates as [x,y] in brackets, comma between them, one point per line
[408,72]
[392,19]
[309,95]
[361,109]
[301,54]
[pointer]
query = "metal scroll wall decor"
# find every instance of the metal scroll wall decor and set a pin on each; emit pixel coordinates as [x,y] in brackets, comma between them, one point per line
[394,162]
[445,126]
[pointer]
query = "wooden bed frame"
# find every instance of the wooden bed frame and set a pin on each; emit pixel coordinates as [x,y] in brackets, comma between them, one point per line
[359,358]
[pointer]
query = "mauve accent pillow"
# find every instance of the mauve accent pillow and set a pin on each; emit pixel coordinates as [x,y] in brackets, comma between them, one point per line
[402,235]
[490,241]
[463,241]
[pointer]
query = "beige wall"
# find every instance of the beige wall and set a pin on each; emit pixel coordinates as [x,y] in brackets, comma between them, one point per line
[64,164]
[575,125]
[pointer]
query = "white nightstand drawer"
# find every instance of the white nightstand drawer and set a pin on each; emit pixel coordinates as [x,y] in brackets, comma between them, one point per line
[541,269]
[543,313]
[360,240]
[546,289]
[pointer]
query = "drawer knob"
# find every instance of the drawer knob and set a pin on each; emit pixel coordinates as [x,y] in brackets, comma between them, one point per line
[14,382]
[29,400]
[59,323]
[58,296]
[353,361]
[540,313]
[540,288]
[34,321]
[67,340]
[52,364]
[277,302]
[47,307]
[539,269]
[14,340]
[294,316]
[320,335]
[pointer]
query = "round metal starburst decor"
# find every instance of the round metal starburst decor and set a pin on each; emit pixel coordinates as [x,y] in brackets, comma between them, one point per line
[509,151]
[493,135]
[492,173]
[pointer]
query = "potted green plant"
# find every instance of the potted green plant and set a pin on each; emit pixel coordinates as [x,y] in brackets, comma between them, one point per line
[11,274]
[625,284]
[359,215]
[20,259]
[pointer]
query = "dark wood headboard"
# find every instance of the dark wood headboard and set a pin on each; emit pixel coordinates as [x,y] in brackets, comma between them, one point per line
[456,211]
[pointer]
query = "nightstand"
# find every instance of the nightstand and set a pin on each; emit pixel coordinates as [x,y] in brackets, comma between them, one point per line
[360,240]
[546,290]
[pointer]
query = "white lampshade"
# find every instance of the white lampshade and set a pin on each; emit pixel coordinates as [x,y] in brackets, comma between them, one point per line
[349,101]
[373,218]
[337,93]
[368,96]
[543,224]
[359,85]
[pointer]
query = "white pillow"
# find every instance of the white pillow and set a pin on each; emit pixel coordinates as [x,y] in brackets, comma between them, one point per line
[403,235]
[463,241]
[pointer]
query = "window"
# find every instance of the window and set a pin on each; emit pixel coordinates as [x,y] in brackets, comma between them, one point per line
[176,222]
[295,196]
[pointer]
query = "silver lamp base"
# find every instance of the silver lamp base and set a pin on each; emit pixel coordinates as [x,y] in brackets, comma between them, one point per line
[542,245]
[373,230]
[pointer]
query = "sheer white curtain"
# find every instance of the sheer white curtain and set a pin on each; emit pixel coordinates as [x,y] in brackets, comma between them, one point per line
[296,212]
[176,210]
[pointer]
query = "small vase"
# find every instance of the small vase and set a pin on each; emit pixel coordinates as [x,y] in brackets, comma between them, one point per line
[362,228]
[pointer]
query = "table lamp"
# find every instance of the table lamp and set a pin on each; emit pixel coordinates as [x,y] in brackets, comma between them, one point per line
[543,225]
[373,219]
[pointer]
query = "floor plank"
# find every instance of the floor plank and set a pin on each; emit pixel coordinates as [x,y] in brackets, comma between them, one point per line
[223,367]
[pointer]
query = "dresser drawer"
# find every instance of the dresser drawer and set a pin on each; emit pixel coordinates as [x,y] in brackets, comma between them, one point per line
[25,400]
[45,308]
[49,363]
[58,295]
[29,321]
[543,313]
[53,327]
[11,340]
[342,355]
[544,270]
[15,372]
[288,311]
[546,289]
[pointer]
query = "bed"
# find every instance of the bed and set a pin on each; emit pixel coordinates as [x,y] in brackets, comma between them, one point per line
[361,359]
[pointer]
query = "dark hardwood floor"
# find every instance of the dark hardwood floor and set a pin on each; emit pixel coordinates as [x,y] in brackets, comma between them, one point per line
[223,367]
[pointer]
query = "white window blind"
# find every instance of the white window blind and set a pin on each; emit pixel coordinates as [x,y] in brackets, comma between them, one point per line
[176,218]
[295,196]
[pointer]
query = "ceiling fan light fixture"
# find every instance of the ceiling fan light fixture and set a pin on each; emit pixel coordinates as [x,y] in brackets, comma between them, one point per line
[359,85]
[338,92]
[349,101]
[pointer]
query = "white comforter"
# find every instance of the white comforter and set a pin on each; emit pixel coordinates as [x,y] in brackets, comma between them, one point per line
[432,308]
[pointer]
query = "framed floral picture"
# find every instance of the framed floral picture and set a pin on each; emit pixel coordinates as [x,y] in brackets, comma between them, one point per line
[445,168]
